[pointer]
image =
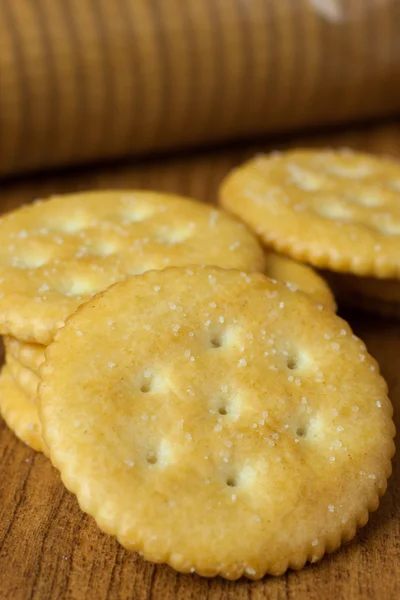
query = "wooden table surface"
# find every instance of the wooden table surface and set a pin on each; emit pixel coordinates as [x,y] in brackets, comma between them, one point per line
[50,550]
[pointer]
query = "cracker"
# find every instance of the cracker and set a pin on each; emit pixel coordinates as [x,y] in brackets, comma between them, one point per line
[56,254]
[377,296]
[333,209]
[301,277]
[19,412]
[30,356]
[25,379]
[187,406]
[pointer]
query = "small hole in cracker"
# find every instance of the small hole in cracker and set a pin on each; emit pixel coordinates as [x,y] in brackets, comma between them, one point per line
[151,458]
[145,387]
[292,362]
[231,482]
[301,431]
[222,410]
[216,341]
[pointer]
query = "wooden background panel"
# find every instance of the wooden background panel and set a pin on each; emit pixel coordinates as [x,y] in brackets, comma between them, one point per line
[82,80]
[50,550]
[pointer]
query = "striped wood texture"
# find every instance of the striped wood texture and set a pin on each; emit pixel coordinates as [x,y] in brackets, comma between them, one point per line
[83,80]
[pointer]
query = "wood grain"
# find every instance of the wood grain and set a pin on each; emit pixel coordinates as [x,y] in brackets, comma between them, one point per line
[83,80]
[50,550]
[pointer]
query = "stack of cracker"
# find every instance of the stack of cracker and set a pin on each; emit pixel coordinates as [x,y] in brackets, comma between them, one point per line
[55,255]
[184,393]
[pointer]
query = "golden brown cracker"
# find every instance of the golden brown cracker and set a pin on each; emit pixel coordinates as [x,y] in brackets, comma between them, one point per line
[20,412]
[300,277]
[186,406]
[56,254]
[334,209]
[25,379]
[30,356]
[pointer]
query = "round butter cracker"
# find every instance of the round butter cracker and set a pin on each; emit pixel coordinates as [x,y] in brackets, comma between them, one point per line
[25,379]
[334,209]
[30,356]
[298,276]
[184,407]
[54,255]
[20,412]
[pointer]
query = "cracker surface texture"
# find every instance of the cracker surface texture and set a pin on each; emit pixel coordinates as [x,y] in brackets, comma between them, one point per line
[333,209]
[30,356]
[185,407]
[20,412]
[54,255]
[298,276]
[25,379]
